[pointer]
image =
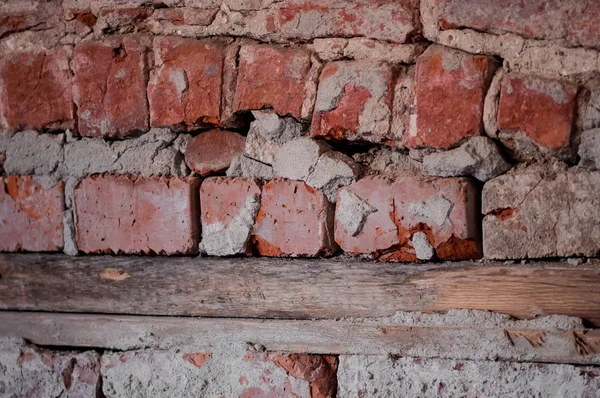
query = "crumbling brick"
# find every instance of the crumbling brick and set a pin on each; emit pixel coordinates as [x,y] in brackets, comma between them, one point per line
[228,209]
[529,215]
[538,111]
[354,102]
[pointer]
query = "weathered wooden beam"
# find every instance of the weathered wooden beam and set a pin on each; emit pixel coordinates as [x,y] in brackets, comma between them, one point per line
[299,289]
[120,332]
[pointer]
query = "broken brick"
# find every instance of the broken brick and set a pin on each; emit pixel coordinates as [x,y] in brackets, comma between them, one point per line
[272,77]
[110,88]
[536,109]
[390,220]
[354,102]
[294,220]
[129,214]
[185,88]
[228,209]
[35,90]
[31,217]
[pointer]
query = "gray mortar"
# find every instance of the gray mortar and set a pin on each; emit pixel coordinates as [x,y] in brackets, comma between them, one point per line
[592,112]
[390,376]
[389,163]
[491,103]
[423,249]
[297,159]
[351,212]
[478,157]
[332,171]
[268,133]
[243,166]
[589,148]
[152,373]
[26,371]
[29,152]
[437,209]
[218,240]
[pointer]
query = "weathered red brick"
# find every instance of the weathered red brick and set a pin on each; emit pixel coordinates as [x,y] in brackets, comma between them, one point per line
[272,77]
[576,21]
[30,216]
[110,88]
[583,26]
[28,15]
[354,102]
[543,110]
[450,88]
[536,19]
[318,370]
[35,89]
[228,206]
[129,214]
[213,151]
[190,16]
[123,20]
[445,209]
[294,220]
[185,88]
[396,21]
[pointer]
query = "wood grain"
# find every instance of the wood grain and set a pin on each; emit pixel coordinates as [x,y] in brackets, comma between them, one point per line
[118,332]
[283,288]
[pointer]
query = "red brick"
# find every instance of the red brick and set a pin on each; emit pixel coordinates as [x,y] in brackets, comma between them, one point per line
[395,21]
[294,220]
[318,370]
[185,88]
[35,89]
[576,21]
[541,109]
[379,233]
[30,216]
[450,88]
[445,209]
[354,102]
[583,26]
[536,19]
[272,77]
[110,88]
[213,151]
[31,15]
[129,214]
[223,199]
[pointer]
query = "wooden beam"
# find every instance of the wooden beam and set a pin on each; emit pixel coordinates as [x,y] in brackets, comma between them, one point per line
[331,337]
[283,288]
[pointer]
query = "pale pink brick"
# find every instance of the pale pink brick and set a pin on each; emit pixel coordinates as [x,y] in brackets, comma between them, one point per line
[129,214]
[30,216]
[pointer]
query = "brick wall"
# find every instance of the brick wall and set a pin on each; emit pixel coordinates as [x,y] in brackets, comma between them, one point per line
[406,131]
[398,131]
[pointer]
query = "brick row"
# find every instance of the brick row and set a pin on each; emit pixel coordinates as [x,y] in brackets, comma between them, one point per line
[121,87]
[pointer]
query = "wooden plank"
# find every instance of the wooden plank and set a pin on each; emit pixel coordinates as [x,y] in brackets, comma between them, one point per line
[300,289]
[320,336]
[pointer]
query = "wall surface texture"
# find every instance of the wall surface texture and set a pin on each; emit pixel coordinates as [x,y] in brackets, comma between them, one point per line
[389,130]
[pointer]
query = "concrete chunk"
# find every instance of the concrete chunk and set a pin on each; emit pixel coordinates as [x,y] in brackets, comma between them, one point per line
[297,159]
[478,157]
[332,171]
